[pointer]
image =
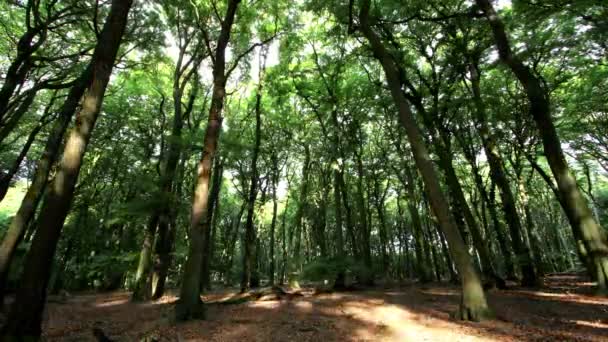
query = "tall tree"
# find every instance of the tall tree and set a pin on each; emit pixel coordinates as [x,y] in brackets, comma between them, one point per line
[26,314]
[190,305]
[473,305]
[576,207]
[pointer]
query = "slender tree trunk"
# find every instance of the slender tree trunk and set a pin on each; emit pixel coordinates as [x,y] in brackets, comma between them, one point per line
[142,289]
[284,261]
[350,227]
[340,251]
[234,237]
[214,197]
[383,230]
[498,174]
[20,66]
[190,304]
[5,180]
[364,229]
[16,116]
[296,231]
[581,218]
[473,304]
[463,207]
[26,315]
[489,200]
[250,231]
[169,182]
[28,206]
[273,224]
[422,262]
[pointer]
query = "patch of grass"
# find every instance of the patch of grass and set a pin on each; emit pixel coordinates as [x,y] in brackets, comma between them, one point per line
[11,203]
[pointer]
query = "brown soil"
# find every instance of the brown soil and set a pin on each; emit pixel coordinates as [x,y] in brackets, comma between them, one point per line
[563,311]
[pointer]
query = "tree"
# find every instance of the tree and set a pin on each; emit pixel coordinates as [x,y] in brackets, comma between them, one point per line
[26,314]
[473,305]
[190,304]
[577,210]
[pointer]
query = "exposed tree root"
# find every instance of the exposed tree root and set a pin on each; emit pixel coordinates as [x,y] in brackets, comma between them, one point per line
[465,313]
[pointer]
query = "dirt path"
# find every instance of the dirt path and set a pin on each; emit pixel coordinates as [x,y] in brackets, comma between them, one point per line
[410,313]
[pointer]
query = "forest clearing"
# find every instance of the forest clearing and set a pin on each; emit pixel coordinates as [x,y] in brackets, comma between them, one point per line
[275,170]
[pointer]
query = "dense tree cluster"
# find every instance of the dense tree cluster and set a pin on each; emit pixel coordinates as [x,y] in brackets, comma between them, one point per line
[154,144]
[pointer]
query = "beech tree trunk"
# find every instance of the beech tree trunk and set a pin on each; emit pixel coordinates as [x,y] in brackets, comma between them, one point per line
[273,223]
[296,231]
[190,304]
[216,187]
[499,175]
[473,304]
[25,318]
[142,289]
[250,231]
[581,218]
[168,181]
[340,251]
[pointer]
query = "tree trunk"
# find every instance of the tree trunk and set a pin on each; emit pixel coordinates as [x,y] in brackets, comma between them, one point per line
[350,227]
[26,315]
[234,237]
[168,182]
[382,228]
[422,262]
[296,231]
[28,206]
[250,231]
[473,304]
[5,180]
[339,283]
[16,116]
[142,290]
[19,68]
[499,176]
[364,230]
[273,223]
[190,304]
[214,197]
[284,261]
[489,200]
[581,218]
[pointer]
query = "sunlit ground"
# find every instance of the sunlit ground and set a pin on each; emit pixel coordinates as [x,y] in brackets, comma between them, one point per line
[561,312]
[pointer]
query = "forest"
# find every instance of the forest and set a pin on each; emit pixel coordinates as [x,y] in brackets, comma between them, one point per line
[274,170]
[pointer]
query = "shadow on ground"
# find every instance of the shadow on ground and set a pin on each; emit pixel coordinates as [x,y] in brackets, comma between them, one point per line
[408,313]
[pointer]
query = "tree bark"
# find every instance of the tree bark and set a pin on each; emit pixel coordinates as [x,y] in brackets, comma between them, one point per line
[142,289]
[273,223]
[214,197]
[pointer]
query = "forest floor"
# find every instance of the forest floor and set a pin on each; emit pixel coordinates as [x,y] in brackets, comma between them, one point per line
[562,311]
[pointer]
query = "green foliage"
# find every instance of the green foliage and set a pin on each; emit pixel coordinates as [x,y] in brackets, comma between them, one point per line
[326,269]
